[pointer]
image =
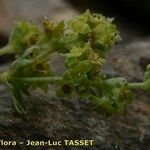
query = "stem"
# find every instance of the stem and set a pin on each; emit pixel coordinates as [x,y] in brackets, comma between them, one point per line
[136,85]
[6,76]
[39,79]
[8,49]
[143,85]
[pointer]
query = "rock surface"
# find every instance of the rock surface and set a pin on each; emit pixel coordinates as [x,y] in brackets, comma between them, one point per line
[55,119]
[16,10]
[129,60]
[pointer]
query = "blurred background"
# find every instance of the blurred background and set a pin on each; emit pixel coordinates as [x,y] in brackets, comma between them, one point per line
[131,16]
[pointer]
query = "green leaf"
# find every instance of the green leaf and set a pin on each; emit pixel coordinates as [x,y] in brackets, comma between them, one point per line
[146,83]
[20,35]
[86,29]
[59,29]
[20,63]
[48,25]
[79,24]
[86,65]
[60,92]
[82,80]
[84,94]
[68,76]
[71,62]
[18,100]
[112,96]
[147,73]
[75,52]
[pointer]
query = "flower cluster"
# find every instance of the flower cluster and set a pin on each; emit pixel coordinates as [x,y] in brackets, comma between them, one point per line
[83,41]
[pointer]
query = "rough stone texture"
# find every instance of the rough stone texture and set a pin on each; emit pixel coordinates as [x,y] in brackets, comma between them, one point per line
[35,10]
[129,60]
[52,118]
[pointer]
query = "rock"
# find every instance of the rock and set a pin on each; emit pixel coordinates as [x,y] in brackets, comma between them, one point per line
[50,118]
[129,61]
[17,10]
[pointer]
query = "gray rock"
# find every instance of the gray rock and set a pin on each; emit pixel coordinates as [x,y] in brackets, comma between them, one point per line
[16,10]
[129,60]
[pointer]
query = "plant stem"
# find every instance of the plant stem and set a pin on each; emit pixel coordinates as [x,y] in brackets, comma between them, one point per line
[8,49]
[136,85]
[143,85]
[6,76]
[39,79]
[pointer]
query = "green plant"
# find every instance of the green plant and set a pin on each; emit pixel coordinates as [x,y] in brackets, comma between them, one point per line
[83,41]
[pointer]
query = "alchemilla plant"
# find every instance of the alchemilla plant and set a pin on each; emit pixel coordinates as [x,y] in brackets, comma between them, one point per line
[84,42]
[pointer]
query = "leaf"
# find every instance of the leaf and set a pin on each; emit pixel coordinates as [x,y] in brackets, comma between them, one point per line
[79,24]
[85,29]
[71,62]
[82,80]
[59,29]
[68,76]
[147,73]
[48,25]
[18,106]
[84,94]
[20,34]
[75,52]
[111,96]
[18,100]
[86,65]
[20,63]
[60,92]
[146,83]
